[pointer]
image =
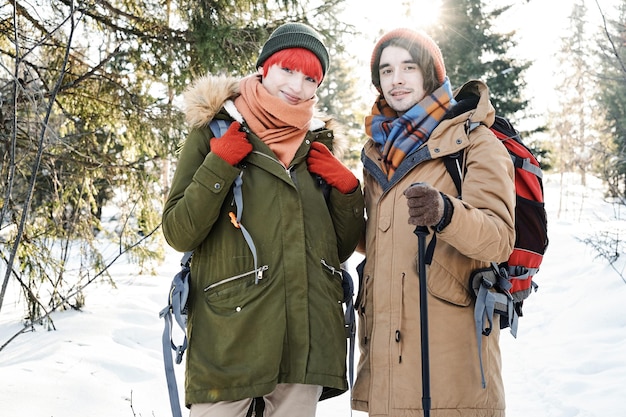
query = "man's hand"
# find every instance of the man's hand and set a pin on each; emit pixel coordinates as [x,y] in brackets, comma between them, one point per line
[426,205]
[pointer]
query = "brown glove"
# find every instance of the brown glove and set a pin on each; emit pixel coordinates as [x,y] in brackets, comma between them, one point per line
[428,206]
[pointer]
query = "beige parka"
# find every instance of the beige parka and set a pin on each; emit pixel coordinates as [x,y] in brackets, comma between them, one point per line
[482,230]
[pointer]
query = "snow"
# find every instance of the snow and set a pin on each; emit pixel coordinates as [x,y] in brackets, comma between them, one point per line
[569,358]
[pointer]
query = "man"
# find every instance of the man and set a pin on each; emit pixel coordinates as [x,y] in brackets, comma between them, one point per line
[270,214]
[415,123]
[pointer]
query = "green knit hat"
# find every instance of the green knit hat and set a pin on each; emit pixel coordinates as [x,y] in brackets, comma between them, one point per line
[295,35]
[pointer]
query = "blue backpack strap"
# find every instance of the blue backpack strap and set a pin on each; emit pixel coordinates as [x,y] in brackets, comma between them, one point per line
[239,203]
[490,302]
[177,307]
[176,310]
[219,127]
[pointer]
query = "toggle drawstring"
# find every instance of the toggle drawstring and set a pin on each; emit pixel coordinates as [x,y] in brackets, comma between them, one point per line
[398,334]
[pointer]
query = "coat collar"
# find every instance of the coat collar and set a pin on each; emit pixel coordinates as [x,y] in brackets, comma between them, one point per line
[209,94]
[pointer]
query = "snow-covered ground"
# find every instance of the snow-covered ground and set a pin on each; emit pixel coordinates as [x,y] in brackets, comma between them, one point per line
[569,359]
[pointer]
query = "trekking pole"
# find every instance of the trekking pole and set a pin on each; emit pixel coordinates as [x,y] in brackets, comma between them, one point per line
[422,232]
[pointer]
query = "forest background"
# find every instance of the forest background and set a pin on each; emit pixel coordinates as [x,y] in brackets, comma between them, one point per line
[90,112]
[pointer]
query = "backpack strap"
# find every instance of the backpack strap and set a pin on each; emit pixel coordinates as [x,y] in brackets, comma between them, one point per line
[219,127]
[349,320]
[489,301]
[526,165]
[453,166]
[179,290]
[239,203]
[177,307]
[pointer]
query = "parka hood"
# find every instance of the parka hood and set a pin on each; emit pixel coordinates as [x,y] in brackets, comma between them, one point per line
[207,95]
[474,96]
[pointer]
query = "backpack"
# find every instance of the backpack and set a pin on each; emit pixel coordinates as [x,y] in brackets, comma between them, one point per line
[502,288]
[176,309]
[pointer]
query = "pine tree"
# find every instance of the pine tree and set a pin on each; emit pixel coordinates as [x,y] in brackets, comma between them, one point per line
[89,115]
[572,122]
[612,97]
[472,50]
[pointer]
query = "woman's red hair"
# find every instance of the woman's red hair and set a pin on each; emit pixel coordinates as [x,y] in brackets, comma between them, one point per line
[297,59]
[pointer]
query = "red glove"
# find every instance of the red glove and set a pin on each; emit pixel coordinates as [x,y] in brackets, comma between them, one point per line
[324,164]
[233,146]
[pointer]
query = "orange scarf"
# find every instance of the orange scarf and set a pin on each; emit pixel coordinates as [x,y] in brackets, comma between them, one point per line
[280,125]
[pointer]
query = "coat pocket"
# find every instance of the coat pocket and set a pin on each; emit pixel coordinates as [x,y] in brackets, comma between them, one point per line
[449,284]
[238,333]
[231,295]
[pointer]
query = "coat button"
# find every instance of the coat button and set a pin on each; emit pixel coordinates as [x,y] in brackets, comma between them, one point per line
[217,186]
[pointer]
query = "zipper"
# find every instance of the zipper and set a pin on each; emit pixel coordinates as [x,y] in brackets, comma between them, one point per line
[288,170]
[258,272]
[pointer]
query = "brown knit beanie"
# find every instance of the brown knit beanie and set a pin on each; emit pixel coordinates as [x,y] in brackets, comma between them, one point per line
[295,35]
[419,38]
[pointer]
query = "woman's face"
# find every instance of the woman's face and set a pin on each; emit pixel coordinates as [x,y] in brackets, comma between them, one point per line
[293,87]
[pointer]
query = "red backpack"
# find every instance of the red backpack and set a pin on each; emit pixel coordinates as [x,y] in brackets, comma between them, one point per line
[508,284]
[531,225]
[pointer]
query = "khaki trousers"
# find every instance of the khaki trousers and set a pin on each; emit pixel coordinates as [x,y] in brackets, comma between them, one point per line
[287,400]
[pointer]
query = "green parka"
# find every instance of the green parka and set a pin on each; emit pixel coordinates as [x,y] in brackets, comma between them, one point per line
[248,332]
[482,230]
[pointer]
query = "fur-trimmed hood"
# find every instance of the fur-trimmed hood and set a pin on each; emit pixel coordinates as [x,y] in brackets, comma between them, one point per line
[206,96]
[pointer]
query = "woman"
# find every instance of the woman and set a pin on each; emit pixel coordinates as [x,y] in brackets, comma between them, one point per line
[265,313]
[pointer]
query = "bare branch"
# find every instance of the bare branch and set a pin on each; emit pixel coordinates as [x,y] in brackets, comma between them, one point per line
[610,39]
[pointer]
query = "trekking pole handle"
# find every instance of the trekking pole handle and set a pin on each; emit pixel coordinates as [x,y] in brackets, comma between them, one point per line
[421,231]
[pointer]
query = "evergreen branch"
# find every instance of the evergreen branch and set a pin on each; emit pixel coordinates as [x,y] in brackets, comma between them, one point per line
[81,287]
[134,30]
[36,164]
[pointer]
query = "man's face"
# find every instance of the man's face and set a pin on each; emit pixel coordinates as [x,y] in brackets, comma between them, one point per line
[293,87]
[401,79]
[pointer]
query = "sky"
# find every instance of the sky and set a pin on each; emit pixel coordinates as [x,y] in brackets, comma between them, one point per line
[569,358]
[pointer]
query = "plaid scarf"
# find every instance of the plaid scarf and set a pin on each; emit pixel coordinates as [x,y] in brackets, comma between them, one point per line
[399,136]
